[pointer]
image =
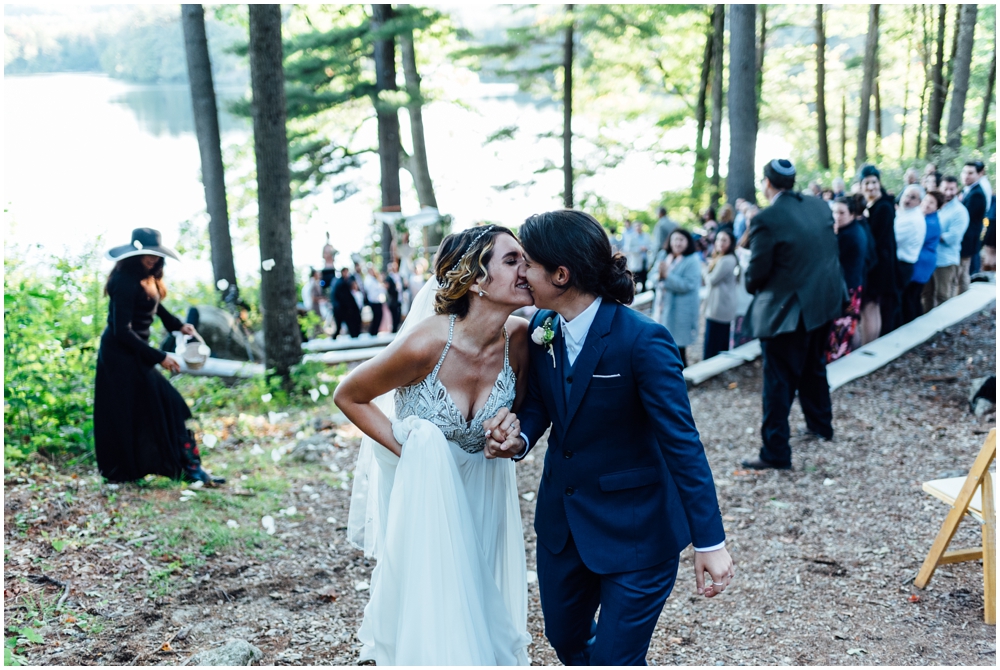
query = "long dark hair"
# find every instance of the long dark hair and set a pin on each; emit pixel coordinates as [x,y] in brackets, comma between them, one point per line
[856,204]
[689,249]
[577,242]
[133,266]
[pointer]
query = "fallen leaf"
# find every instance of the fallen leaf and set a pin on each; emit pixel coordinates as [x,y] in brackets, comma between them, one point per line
[733,386]
[166,647]
[675,640]
[328,593]
[914,598]
[856,652]
[362,586]
[740,473]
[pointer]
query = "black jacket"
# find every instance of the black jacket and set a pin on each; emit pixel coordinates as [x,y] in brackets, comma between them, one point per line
[794,270]
[975,202]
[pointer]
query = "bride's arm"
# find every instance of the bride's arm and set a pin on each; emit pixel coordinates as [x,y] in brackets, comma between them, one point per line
[407,360]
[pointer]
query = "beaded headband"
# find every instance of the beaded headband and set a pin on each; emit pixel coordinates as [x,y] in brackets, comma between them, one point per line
[483,231]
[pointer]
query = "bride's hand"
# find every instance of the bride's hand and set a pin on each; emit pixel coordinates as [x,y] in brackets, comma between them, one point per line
[503,435]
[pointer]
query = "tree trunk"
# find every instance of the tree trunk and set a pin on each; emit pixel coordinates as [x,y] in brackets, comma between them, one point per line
[878,116]
[759,85]
[700,155]
[715,139]
[742,103]
[906,88]
[938,90]
[843,134]
[987,101]
[282,339]
[384,55]
[206,127]
[925,48]
[568,111]
[962,65]
[867,86]
[421,173]
[824,149]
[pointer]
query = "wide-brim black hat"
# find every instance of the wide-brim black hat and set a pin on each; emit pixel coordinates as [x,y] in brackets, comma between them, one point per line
[145,242]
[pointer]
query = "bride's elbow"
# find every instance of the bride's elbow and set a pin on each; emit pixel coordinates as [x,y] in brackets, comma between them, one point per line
[342,395]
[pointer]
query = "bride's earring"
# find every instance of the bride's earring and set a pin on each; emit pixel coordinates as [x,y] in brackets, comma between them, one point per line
[481,294]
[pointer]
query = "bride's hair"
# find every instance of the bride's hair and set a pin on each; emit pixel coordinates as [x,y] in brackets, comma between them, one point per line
[461,262]
[576,241]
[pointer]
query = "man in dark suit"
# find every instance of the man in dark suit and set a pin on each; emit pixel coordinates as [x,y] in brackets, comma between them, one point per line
[626,485]
[345,307]
[794,275]
[975,201]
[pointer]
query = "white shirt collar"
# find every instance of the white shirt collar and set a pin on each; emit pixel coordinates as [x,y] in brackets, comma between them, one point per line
[575,331]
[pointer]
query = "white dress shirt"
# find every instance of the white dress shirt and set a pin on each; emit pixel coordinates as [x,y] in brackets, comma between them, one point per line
[575,333]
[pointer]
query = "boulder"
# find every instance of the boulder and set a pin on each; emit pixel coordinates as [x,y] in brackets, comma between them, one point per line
[232,653]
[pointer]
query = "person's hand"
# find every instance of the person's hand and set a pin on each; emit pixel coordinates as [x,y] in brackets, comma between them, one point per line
[503,435]
[663,269]
[720,568]
[172,364]
[188,329]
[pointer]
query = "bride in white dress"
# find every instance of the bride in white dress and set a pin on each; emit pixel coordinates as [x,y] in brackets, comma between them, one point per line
[442,521]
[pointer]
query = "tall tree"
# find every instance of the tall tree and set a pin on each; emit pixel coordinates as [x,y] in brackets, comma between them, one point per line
[206,127]
[282,340]
[911,14]
[384,55]
[867,86]
[878,115]
[568,110]
[843,134]
[715,139]
[414,106]
[824,149]
[987,101]
[962,65]
[742,103]
[700,154]
[761,46]
[938,89]
[925,51]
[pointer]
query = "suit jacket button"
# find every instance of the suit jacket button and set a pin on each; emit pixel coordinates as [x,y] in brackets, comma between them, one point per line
[567,453]
[569,380]
[569,490]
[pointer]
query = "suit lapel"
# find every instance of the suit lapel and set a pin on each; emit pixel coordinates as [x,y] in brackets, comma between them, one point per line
[557,371]
[590,355]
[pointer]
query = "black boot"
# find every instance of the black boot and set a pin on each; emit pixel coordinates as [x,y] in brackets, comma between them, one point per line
[197,474]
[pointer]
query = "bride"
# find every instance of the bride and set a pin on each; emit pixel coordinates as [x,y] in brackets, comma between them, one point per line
[442,520]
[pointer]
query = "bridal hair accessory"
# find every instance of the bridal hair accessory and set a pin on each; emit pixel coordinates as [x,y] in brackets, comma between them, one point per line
[543,336]
[485,229]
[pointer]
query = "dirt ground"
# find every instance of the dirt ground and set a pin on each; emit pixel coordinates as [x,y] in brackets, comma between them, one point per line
[826,553]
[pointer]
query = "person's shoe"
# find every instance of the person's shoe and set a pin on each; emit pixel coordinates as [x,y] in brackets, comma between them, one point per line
[199,475]
[761,464]
[810,434]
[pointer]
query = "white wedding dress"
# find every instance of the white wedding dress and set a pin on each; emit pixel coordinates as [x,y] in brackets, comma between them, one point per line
[444,524]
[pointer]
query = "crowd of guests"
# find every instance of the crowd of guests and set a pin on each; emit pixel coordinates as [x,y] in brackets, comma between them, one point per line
[347,299]
[901,255]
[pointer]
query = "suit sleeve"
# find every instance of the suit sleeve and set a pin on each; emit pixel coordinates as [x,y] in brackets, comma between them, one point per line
[534,416]
[122,310]
[761,256]
[662,390]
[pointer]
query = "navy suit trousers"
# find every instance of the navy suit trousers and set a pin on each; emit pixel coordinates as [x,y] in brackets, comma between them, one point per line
[630,604]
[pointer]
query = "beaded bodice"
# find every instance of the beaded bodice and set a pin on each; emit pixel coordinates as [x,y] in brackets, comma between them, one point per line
[429,399]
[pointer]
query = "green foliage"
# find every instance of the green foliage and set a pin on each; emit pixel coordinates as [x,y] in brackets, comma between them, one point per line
[52,322]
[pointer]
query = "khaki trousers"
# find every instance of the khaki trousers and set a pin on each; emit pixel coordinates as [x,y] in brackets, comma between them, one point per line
[942,286]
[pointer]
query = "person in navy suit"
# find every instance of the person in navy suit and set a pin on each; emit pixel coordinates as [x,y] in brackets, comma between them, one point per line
[626,485]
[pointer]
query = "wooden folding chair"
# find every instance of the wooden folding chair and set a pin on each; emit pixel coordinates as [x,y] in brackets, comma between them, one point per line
[963,494]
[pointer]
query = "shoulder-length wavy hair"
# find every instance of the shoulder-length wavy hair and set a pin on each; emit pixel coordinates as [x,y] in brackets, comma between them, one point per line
[462,260]
[133,266]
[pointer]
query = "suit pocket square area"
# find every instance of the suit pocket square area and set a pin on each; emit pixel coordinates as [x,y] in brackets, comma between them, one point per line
[606,376]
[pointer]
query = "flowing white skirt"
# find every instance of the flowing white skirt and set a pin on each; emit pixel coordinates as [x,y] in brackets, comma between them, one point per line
[450,585]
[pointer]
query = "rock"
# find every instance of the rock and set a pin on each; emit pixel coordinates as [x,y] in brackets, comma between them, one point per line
[234,652]
[310,449]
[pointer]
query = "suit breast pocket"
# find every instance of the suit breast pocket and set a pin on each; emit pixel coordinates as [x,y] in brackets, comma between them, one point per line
[606,381]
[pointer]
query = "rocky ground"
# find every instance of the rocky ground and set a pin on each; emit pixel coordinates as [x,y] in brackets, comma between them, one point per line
[825,553]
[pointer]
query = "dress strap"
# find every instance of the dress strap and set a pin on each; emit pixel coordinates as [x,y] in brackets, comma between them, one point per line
[451,334]
[506,348]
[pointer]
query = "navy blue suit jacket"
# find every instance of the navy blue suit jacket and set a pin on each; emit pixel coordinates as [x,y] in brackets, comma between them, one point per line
[625,469]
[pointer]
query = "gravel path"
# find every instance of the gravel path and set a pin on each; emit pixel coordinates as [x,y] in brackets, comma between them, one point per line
[826,553]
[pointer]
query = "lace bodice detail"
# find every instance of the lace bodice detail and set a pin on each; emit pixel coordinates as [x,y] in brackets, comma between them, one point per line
[429,399]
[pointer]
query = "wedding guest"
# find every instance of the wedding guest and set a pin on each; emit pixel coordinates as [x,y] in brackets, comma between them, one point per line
[882,314]
[346,308]
[976,202]
[954,219]
[329,272]
[990,237]
[910,229]
[139,417]
[394,290]
[661,231]
[636,246]
[838,188]
[720,304]
[857,253]
[677,277]
[795,277]
[374,291]
[932,181]
[923,269]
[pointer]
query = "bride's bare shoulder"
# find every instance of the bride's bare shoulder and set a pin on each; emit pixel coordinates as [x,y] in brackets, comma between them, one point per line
[517,326]
[425,341]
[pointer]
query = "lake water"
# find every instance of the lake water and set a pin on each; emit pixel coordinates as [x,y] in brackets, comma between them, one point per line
[88,156]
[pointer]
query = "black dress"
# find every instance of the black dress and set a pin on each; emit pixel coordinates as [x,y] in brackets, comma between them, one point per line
[882,284]
[139,418]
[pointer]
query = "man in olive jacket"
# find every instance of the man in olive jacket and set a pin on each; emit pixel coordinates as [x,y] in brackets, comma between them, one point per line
[798,287]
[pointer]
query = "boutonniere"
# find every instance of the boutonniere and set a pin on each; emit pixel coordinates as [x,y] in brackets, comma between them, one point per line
[543,336]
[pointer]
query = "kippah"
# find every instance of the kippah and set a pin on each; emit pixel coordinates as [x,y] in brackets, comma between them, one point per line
[783,167]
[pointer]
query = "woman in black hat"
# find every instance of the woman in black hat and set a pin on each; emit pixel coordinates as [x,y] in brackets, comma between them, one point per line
[139,418]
